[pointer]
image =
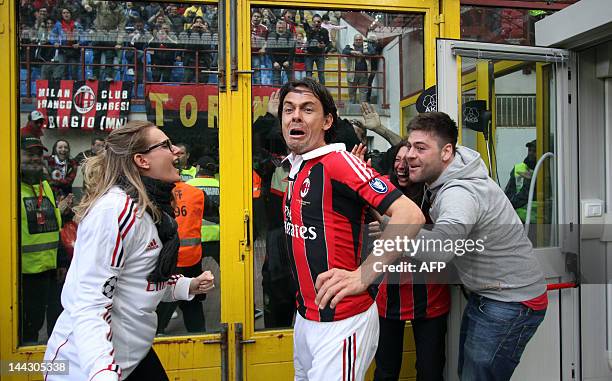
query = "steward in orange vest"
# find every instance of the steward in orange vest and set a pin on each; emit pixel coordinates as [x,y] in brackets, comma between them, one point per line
[192,205]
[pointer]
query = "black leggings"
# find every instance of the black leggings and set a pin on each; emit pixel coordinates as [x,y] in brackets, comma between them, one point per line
[150,369]
[429,340]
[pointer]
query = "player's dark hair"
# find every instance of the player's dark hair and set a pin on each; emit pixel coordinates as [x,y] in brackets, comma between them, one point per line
[321,93]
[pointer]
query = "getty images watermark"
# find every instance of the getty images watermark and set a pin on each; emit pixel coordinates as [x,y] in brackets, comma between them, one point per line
[410,247]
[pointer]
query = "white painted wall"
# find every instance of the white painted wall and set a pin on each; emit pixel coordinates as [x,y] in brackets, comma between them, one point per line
[516,83]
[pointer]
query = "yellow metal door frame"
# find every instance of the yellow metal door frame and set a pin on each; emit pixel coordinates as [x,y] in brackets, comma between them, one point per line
[190,357]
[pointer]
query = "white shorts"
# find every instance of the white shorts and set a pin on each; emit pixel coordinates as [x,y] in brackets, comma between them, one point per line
[340,350]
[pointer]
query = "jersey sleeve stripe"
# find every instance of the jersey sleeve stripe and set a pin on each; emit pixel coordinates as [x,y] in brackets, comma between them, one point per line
[357,171]
[116,250]
[125,208]
[128,216]
[361,165]
[127,229]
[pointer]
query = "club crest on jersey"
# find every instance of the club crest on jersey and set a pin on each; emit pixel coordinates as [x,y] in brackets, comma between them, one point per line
[378,186]
[305,188]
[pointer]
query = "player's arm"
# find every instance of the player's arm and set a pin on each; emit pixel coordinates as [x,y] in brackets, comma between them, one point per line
[332,286]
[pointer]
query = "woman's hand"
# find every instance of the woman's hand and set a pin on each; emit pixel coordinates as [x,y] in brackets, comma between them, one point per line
[202,283]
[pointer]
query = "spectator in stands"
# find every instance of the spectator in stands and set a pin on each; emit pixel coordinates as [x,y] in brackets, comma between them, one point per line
[158,19]
[199,39]
[34,127]
[44,53]
[358,67]
[68,34]
[289,17]
[318,44]
[280,45]
[41,17]
[211,18]
[75,7]
[109,32]
[299,67]
[259,34]
[149,10]
[131,14]
[27,13]
[97,144]
[62,169]
[176,20]
[139,38]
[374,49]
[332,29]
[268,18]
[161,58]
[191,13]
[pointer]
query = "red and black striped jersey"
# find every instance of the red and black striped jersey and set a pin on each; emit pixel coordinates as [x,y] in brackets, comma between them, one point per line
[408,296]
[324,212]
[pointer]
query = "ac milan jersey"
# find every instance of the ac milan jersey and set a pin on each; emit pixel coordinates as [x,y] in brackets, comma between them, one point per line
[408,296]
[324,211]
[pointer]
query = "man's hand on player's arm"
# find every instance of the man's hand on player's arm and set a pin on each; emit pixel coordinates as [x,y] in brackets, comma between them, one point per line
[335,284]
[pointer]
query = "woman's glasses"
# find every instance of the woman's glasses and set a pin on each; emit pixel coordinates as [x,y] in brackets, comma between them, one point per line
[166,144]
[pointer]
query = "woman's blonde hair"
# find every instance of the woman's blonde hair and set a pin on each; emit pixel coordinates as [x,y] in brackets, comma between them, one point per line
[115,164]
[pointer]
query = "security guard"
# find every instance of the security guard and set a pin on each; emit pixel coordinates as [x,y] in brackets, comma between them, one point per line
[192,206]
[187,173]
[206,181]
[517,189]
[40,225]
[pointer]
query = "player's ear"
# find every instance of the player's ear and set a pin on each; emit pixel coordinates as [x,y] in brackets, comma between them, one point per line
[327,123]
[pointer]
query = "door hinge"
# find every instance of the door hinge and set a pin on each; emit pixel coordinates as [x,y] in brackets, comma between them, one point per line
[239,343]
[439,19]
[569,75]
[224,350]
[569,98]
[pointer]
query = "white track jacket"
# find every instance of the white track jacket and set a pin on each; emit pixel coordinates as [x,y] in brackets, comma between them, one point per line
[109,320]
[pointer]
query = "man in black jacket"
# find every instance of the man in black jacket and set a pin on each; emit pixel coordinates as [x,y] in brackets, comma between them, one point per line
[318,45]
[281,47]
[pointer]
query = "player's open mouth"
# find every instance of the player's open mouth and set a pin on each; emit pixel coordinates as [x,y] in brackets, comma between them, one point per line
[296,132]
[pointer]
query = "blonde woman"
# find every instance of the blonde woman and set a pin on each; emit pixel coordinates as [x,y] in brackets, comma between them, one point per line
[124,261]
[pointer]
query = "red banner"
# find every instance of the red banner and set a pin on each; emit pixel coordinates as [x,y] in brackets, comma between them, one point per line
[173,106]
[87,105]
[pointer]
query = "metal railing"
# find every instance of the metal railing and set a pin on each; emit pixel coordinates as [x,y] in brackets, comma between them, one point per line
[516,110]
[136,63]
[82,64]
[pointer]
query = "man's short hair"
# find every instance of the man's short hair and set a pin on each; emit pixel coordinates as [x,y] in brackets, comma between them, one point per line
[321,93]
[437,124]
[186,146]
